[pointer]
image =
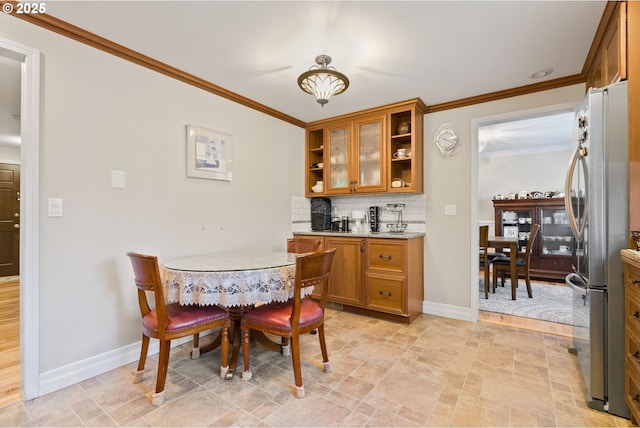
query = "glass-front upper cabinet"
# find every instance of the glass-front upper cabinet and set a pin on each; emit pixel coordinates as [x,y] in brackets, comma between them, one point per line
[369,173]
[355,161]
[339,153]
[555,232]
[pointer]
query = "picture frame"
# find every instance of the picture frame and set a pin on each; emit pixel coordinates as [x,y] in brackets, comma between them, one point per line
[510,231]
[209,154]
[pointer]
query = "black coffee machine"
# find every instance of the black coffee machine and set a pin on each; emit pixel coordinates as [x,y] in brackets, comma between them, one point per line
[320,214]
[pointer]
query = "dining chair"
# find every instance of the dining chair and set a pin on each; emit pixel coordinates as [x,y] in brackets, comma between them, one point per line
[171,321]
[294,317]
[483,254]
[303,245]
[502,265]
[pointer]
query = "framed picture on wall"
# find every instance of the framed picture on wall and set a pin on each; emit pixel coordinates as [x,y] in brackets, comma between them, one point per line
[510,231]
[209,154]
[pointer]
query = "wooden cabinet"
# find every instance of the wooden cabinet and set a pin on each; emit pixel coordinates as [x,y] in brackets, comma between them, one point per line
[553,252]
[609,62]
[377,276]
[632,336]
[355,153]
[393,276]
[345,282]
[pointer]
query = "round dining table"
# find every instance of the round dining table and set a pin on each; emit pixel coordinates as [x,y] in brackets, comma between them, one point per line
[236,281]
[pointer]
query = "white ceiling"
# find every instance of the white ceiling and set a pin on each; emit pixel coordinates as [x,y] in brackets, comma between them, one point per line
[439,51]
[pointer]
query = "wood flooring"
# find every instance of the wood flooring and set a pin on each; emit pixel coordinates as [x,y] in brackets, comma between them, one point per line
[9,341]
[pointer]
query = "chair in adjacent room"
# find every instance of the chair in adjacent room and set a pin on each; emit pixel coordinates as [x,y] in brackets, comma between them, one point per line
[171,321]
[303,245]
[483,254]
[502,265]
[294,317]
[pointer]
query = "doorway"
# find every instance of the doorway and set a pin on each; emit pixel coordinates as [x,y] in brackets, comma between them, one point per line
[29,66]
[522,155]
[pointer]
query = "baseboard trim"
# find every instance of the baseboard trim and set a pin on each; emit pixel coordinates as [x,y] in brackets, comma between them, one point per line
[449,311]
[79,371]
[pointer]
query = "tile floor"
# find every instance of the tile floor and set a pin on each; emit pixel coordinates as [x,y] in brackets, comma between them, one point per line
[433,372]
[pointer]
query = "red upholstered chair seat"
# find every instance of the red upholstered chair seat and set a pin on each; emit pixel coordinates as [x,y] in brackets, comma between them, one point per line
[278,315]
[183,318]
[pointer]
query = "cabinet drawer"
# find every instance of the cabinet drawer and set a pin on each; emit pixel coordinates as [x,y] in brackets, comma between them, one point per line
[632,313]
[632,350]
[386,254]
[386,294]
[632,280]
[632,392]
[562,264]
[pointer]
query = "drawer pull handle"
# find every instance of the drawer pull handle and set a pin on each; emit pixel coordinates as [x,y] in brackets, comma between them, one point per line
[635,281]
[636,356]
[636,315]
[636,398]
[387,294]
[384,257]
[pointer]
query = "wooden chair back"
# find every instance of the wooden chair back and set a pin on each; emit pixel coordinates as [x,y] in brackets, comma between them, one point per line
[147,278]
[532,237]
[303,245]
[312,270]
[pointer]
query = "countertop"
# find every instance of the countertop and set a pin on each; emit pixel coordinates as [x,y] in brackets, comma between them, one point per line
[383,235]
[630,256]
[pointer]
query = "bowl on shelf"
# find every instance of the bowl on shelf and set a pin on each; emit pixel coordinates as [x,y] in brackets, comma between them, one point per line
[317,189]
[397,227]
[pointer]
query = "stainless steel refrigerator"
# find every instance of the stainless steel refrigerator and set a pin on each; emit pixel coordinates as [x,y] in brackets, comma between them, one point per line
[596,198]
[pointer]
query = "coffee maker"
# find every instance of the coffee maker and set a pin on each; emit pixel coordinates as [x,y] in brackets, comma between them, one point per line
[320,214]
[374,219]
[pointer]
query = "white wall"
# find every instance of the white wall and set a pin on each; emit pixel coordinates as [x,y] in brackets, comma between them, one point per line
[449,277]
[10,154]
[511,174]
[101,113]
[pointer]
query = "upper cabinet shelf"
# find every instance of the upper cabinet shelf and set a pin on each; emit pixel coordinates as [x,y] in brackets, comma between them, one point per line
[379,150]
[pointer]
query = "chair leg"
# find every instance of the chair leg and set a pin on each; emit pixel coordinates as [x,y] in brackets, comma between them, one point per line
[297,370]
[163,364]
[195,350]
[323,348]
[246,349]
[224,349]
[495,278]
[486,281]
[137,377]
[528,281]
[285,349]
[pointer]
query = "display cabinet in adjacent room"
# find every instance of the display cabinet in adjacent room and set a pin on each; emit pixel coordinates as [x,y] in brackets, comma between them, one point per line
[553,251]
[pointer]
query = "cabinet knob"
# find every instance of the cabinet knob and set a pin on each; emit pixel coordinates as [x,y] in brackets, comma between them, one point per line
[385,294]
[16,226]
[636,315]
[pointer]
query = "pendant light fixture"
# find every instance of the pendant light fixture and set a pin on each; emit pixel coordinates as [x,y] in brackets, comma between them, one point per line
[323,81]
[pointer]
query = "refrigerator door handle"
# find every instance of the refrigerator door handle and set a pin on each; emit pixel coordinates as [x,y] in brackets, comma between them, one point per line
[577,283]
[578,156]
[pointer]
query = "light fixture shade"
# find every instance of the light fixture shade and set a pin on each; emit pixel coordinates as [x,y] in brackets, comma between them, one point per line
[323,81]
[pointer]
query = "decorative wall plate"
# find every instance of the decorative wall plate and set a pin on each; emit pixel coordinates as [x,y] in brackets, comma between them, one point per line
[446,140]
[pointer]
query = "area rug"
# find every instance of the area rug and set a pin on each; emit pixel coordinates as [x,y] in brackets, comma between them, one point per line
[549,303]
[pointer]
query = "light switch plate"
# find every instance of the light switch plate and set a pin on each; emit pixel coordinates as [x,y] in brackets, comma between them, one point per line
[54,207]
[450,209]
[118,179]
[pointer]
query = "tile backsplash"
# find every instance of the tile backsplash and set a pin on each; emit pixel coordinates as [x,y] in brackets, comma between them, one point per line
[413,214]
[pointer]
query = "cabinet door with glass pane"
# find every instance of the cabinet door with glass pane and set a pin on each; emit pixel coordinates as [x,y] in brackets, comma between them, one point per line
[338,171]
[368,172]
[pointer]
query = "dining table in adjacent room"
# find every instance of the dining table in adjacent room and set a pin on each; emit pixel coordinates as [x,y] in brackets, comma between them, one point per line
[234,280]
[512,243]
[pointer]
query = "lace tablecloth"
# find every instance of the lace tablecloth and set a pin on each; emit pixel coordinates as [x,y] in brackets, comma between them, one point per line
[230,279]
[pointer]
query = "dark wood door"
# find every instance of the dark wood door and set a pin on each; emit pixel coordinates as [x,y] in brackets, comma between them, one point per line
[9,219]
